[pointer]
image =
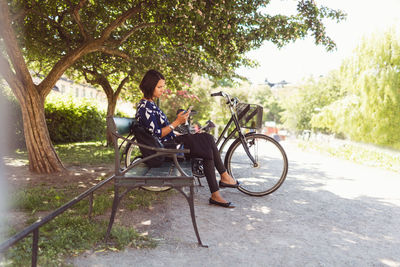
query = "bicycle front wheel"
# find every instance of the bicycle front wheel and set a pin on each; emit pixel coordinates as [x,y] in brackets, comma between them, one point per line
[267,173]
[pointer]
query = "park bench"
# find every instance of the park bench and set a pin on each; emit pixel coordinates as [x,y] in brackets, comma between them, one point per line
[172,173]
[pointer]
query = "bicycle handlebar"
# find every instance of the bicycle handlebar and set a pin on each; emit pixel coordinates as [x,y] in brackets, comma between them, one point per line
[231,101]
[221,93]
[217,94]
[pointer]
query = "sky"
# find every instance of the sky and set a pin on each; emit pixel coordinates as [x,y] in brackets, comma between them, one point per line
[303,58]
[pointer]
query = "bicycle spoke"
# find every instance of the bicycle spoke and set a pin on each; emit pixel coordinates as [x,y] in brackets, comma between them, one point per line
[269,172]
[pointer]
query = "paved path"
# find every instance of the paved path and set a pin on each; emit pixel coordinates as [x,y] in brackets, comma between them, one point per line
[329,212]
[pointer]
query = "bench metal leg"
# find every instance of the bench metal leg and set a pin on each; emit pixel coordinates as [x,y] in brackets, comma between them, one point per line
[190,200]
[198,179]
[189,197]
[113,211]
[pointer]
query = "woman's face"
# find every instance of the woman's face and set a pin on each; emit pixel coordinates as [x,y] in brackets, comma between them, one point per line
[158,91]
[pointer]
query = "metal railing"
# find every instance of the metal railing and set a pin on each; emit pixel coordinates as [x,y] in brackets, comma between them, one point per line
[34,228]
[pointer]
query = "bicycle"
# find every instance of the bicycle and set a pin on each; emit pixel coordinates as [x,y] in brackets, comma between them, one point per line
[256,160]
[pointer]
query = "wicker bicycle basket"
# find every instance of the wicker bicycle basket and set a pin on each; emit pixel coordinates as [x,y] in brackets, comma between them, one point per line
[250,115]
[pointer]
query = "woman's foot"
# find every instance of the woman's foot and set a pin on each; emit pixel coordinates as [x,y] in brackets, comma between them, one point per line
[225,205]
[217,199]
[228,181]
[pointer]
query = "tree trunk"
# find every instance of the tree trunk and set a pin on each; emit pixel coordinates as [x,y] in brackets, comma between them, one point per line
[42,155]
[112,96]
[112,104]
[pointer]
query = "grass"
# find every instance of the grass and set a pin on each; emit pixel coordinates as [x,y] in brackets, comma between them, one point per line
[144,199]
[43,198]
[359,153]
[85,153]
[80,153]
[69,236]
[37,199]
[72,232]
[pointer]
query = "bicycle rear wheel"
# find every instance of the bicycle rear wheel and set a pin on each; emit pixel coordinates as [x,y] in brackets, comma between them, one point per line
[269,171]
[132,155]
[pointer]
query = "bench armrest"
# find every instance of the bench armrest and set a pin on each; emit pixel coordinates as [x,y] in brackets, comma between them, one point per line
[159,152]
[157,149]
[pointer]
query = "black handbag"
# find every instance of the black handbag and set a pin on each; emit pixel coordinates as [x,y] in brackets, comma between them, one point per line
[144,136]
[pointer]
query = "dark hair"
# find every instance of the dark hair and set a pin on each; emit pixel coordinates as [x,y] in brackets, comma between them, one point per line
[149,82]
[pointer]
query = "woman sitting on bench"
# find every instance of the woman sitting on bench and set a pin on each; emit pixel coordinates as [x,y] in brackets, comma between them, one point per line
[201,145]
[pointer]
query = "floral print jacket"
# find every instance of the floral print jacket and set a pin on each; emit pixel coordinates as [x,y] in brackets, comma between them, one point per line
[151,116]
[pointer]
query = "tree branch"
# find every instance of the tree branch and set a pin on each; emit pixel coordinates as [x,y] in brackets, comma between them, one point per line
[121,85]
[114,52]
[85,74]
[138,27]
[21,14]
[10,77]
[5,70]
[99,79]
[86,47]
[120,20]
[77,18]
[56,22]
[12,47]
[63,64]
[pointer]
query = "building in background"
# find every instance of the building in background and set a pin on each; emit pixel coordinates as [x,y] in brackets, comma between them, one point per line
[76,90]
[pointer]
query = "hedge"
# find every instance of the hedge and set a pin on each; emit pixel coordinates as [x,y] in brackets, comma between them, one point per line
[69,120]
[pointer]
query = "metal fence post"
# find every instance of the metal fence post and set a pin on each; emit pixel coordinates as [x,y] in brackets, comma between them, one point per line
[90,205]
[35,247]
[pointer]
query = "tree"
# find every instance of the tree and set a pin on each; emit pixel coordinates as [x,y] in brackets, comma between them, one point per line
[310,99]
[272,106]
[58,33]
[38,29]
[370,110]
[112,75]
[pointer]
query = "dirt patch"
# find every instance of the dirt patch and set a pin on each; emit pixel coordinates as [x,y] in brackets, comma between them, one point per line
[18,175]
[148,221]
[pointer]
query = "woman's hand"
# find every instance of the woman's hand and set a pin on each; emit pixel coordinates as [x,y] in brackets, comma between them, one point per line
[182,117]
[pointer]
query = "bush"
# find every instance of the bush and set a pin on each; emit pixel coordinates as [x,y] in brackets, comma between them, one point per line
[71,121]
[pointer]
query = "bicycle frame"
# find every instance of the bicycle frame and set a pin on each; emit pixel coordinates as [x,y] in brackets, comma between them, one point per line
[234,119]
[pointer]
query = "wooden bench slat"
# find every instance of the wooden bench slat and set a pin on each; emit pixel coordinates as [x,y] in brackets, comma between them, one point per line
[167,169]
[165,175]
[159,181]
[139,170]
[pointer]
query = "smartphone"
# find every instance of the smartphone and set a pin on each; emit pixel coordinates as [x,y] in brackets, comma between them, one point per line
[188,110]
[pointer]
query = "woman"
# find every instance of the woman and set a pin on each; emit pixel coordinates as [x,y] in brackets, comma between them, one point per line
[201,145]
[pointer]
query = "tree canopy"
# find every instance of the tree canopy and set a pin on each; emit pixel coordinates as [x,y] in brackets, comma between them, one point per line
[183,36]
[211,35]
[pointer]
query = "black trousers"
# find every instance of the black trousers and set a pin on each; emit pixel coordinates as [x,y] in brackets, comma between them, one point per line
[209,169]
[203,146]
